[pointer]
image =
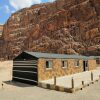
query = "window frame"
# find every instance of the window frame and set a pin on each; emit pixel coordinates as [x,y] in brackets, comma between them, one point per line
[77,63]
[86,64]
[50,67]
[65,63]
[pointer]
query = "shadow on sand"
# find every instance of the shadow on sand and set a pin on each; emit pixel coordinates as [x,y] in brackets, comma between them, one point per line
[17,84]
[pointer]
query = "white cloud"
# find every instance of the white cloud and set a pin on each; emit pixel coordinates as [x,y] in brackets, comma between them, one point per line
[51,0]
[13,11]
[7,8]
[19,4]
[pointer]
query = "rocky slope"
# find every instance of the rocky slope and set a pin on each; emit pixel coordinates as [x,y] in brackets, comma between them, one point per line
[64,26]
[1,41]
[1,29]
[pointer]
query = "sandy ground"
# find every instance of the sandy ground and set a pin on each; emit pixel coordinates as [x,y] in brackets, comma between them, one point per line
[27,92]
[18,91]
[6,71]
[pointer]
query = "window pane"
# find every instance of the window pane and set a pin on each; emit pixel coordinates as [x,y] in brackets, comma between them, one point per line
[77,63]
[64,64]
[49,64]
[86,63]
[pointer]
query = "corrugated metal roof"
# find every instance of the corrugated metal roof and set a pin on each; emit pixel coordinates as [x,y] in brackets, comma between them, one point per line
[59,56]
[97,57]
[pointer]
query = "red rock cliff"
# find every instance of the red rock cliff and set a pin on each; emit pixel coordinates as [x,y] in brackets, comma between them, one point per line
[1,29]
[64,26]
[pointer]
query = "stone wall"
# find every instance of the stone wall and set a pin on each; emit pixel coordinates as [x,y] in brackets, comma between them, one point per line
[92,64]
[57,70]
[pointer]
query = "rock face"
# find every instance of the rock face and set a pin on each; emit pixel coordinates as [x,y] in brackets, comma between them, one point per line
[1,42]
[1,29]
[64,26]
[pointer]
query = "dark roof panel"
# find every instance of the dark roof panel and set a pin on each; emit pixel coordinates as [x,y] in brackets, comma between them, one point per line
[59,56]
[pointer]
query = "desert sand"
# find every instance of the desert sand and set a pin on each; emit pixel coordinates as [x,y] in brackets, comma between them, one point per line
[19,91]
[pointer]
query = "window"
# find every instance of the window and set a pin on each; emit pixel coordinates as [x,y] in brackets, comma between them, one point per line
[77,63]
[64,64]
[86,63]
[49,64]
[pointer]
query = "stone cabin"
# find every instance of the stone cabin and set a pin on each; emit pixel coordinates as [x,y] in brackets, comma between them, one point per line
[97,60]
[33,67]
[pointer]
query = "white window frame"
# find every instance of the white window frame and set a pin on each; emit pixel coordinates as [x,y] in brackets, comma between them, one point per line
[77,63]
[65,64]
[49,66]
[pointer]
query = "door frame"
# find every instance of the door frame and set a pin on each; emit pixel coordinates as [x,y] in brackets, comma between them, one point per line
[85,65]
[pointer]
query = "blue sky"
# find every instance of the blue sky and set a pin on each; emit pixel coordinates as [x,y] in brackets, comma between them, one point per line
[7,7]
